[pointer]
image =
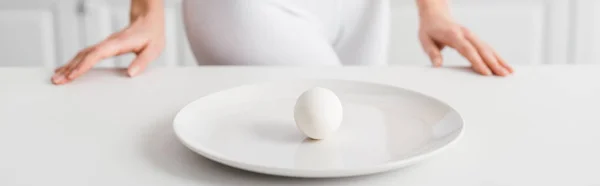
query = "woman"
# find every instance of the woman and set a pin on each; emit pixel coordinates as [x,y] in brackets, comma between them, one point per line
[284,32]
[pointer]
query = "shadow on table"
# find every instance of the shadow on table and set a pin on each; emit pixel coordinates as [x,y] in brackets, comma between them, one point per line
[461,69]
[163,150]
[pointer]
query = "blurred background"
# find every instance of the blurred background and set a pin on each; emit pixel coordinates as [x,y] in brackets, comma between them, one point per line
[47,33]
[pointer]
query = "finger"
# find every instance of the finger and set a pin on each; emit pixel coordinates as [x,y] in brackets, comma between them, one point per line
[108,48]
[60,75]
[98,53]
[142,60]
[486,54]
[503,62]
[75,63]
[432,50]
[466,49]
[58,69]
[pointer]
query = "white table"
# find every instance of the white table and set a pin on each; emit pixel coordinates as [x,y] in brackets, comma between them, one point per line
[540,126]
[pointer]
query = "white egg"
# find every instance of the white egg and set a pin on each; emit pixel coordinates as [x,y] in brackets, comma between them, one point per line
[318,113]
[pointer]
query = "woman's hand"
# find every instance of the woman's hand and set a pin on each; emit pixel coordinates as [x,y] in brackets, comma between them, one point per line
[144,37]
[438,29]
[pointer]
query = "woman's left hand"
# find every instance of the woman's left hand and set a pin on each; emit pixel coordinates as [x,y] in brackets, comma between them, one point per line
[438,30]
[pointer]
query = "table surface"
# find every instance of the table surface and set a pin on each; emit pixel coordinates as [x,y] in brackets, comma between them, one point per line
[537,127]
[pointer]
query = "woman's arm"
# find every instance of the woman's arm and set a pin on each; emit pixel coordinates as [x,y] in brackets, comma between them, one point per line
[144,37]
[438,29]
[140,8]
[433,6]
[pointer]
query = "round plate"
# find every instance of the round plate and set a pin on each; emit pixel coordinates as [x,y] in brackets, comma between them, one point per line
[252,127]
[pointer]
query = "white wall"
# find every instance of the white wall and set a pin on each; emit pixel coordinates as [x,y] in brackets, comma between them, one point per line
[532,32]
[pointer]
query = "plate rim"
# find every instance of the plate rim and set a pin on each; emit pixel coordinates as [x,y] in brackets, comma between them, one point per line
[301,173]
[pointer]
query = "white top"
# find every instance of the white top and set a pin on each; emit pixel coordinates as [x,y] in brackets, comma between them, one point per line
[537,127]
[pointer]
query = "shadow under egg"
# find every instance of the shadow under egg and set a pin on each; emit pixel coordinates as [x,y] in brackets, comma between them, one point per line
[322,154]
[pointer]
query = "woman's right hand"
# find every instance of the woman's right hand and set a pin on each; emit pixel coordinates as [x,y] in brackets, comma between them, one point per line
[144,37]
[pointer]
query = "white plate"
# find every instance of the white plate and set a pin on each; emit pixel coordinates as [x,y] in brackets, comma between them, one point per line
[251,127]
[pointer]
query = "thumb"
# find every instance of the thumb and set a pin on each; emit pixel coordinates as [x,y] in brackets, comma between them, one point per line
[432,50]
[141,61]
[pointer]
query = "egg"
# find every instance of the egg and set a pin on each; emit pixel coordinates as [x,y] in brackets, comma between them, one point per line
[318,113]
